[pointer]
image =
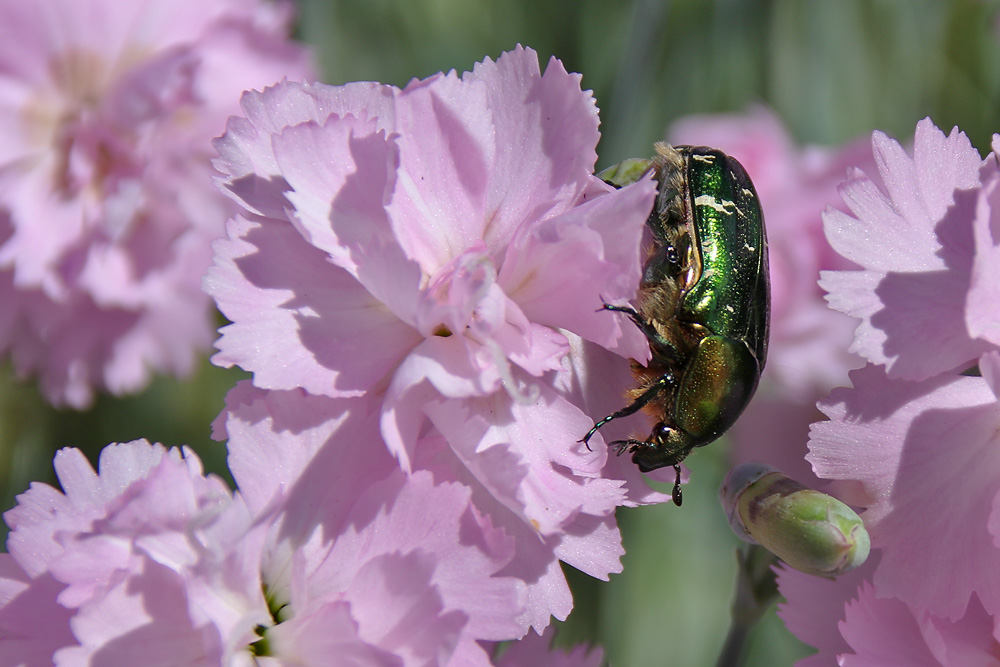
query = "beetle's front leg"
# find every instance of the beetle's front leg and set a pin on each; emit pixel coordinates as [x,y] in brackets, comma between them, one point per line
[664,381]
[646,327]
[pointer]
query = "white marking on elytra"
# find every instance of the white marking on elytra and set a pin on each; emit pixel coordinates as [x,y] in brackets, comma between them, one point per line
[710,201]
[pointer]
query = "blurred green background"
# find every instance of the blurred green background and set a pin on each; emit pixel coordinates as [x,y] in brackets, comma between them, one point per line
[831,70]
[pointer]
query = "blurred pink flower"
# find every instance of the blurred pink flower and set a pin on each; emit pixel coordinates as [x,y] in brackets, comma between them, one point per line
[808,354]
[916,440]
[107,205]
[442,252]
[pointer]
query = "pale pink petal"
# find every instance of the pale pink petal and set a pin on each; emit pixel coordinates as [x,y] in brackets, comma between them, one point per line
[555,124]
[982,303]
[915,247]
[325,340]
[580,253]
[814,609]
[883,631]
[330,630]
[363,177]
[446,147]
[924,454]
[535,650]
[145,623]
[32,624]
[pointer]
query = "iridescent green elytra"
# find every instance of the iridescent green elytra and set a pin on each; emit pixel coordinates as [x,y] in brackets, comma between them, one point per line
[704,303]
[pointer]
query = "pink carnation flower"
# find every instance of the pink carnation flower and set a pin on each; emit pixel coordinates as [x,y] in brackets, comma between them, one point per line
[915,441]
[327,554]
[808,354]
[443,251]
[106,202]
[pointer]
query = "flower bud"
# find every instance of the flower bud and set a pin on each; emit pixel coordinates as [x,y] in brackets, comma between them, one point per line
[810,531]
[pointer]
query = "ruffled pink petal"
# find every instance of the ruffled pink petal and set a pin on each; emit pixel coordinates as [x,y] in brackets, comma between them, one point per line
[446,147]
[32,624]
[536,650]
[397,608]
[982,304]
[361,177]
[895,230]
[144,622]
[246,155]
[814,608]
[330,630]
[547,476]
[924,454]
[401,516]
[333,338]
[546,135]
[533,562]
[883,631]
[579,253]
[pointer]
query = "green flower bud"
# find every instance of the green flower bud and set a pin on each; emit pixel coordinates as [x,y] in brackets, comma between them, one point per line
[810,531]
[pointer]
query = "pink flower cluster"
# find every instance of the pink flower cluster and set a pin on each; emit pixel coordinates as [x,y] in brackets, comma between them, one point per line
[916,440]
[415,282]
[107,207]
[150,562]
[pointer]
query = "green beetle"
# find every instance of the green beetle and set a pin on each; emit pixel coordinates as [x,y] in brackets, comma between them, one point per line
[704,303]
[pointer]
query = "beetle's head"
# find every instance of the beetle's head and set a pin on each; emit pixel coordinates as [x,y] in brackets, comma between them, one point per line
[667,446]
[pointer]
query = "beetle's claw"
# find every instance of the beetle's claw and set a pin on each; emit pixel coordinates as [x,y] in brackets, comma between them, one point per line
[622,445]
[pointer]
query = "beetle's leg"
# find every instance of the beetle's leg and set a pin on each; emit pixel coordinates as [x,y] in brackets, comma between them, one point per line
[677,495]
[661,383]
[622,445]
[645,327]
[657,342]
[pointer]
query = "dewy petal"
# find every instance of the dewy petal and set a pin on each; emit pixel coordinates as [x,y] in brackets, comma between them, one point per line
[924,454]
